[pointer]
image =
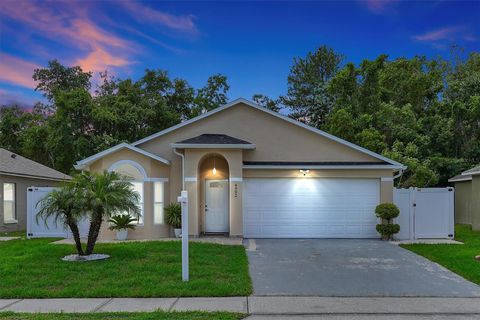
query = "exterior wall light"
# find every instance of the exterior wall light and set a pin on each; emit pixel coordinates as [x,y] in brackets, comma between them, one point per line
[304,172]
[214,171]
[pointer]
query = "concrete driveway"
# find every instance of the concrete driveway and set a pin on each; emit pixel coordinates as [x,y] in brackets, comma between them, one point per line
[349,268]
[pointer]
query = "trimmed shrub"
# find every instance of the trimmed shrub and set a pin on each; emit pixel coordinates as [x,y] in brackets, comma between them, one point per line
[388,230]
[387,211]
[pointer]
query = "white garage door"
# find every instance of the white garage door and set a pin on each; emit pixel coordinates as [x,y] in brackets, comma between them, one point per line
[310,208]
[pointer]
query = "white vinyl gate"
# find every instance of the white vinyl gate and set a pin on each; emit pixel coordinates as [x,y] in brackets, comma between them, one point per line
[37,228]
[425,213]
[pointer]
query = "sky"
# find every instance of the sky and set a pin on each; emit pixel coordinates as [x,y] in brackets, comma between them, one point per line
[253,43]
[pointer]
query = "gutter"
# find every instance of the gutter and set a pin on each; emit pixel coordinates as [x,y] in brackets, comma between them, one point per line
[181,155]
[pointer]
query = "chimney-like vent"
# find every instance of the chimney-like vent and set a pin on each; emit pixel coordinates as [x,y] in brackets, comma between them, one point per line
[13,155]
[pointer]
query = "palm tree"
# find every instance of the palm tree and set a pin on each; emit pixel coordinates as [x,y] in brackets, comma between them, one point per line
[102,196]
[62,204]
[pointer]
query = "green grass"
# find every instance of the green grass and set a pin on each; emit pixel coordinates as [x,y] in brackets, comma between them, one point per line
[34,269]
[21,233]
[455,257]
[126,316]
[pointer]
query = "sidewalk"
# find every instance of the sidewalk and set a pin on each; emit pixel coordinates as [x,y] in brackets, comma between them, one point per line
[258,306]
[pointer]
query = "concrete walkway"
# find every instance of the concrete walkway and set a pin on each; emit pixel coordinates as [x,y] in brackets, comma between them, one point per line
[218,240]
[259,307]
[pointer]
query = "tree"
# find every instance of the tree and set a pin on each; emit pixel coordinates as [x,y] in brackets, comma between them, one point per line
[211,96]
[308,96]
[266,102]
[64,206]
[103,195]
[57,77]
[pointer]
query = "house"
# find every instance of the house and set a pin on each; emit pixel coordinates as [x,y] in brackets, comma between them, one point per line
[251,172]
[16,175]
[467,200]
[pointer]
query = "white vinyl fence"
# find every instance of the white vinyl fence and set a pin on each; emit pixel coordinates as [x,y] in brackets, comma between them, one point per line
[37,228]
[425,213]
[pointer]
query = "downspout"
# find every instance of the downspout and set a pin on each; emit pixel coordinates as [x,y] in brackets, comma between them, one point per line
[400,172]
[181,155]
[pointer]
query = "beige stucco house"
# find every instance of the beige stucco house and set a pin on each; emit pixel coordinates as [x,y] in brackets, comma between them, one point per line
[467,199]
[17,174]
[252,172]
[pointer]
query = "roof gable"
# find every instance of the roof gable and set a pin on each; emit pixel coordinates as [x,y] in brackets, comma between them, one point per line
[392,163]
[87,161]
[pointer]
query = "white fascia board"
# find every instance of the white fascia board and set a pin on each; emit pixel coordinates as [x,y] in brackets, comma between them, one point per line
[82,164]
[460,179]
[32,176]
[320,167]
[276,114]
[211,146]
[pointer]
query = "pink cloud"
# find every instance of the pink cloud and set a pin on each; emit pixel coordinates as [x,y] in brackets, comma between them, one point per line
[379,6]
[99,60]
[447,33]
[65,23]
[146,14]
[16,71]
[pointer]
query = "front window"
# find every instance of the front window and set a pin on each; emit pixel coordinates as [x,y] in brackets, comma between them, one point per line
[138,186]
[158,203]
[136,179]
[9,210]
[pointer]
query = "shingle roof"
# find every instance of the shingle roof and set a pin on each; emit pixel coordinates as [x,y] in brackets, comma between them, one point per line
[213,139]
[14,164]
[460,177]
[473,171]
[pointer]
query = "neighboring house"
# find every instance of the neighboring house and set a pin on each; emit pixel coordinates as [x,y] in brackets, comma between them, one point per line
[253,172]
[467,199]
[16,175]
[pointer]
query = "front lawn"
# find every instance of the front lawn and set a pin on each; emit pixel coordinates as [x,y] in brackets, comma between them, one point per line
[455,257]
[34,269]
[124,316]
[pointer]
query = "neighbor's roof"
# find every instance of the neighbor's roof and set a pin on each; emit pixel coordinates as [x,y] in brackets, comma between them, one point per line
[473,171]
[213,140]
[391,163]
[460,178]
[466,175]
[82,164]
[15,165]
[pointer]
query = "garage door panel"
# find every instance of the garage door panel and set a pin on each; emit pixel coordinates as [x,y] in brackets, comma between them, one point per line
[310,208]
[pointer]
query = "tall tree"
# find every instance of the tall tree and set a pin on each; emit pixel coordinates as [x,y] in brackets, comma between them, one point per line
[307,96]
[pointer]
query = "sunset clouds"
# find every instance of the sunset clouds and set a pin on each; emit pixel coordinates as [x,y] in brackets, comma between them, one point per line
[84,33]
[16,71]
[446,33]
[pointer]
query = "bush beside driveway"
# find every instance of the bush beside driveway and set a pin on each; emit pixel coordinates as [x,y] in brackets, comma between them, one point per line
[457,258]
[34,269]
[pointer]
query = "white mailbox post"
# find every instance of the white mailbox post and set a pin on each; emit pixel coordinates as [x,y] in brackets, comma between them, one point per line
[183,199]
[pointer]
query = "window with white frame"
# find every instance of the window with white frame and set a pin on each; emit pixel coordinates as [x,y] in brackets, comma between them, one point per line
[9,208]
[136,177]
[158,189]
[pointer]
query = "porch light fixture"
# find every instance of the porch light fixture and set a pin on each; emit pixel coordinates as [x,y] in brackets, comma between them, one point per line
[214,169]
[304,172]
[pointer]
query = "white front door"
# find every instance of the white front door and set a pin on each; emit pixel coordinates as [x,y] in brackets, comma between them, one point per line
[216,205]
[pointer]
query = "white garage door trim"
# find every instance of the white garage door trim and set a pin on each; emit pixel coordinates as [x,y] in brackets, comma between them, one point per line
[310,208]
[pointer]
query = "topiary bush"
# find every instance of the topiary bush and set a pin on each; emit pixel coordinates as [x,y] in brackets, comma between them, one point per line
[387,212]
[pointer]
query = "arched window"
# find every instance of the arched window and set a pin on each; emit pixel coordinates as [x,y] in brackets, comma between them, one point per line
[136,174]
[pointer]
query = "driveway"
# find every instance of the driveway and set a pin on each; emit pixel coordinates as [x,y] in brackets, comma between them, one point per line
[349,268]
